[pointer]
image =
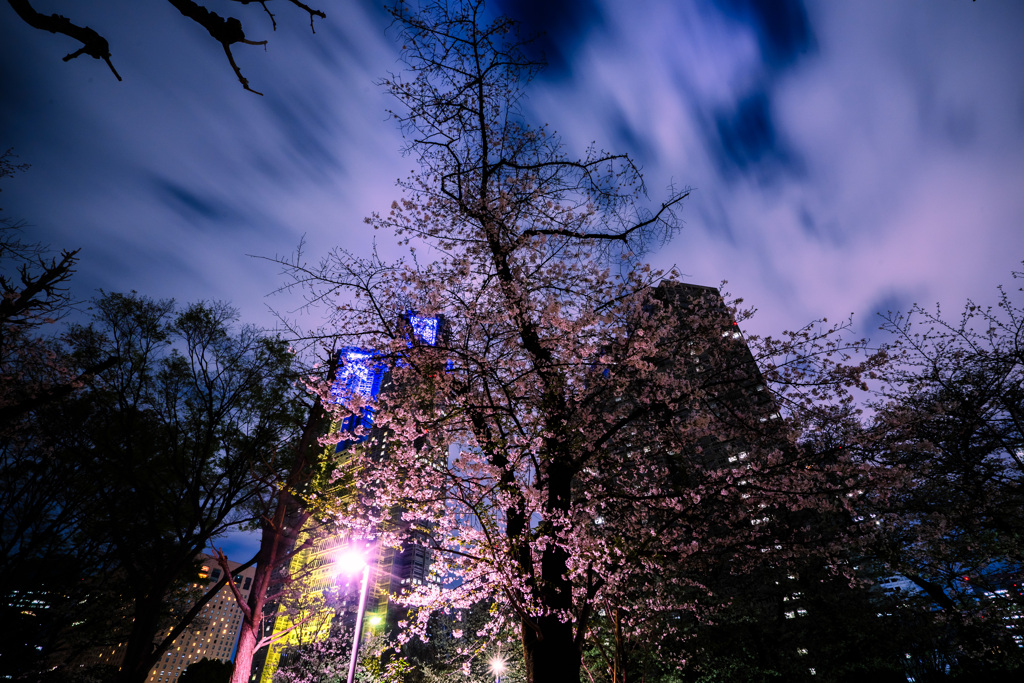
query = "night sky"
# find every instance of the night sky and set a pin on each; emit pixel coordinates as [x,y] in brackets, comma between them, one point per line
[845,156]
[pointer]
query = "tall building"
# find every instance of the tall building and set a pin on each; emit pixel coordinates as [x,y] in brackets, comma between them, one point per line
[328,595]
[211,635]
[214,633]
[735,392]
[318,601]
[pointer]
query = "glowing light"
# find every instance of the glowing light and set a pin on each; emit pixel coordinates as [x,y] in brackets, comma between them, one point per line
[497,665]
[357,375]
[375,620]
[350,562]
[424,329]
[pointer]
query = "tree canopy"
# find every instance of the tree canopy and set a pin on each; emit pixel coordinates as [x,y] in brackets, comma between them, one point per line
[951,416]
[582,425]
[125,479]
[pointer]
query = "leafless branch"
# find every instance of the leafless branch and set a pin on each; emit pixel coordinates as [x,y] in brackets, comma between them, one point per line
[313,13]
[93,44]
[227,31]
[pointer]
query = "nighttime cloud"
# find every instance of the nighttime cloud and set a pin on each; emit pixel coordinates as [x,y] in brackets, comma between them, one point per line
[557,29]
[844,156]
[782,28]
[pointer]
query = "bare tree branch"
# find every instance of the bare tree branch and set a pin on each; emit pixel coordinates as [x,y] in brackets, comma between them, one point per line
[227,31]
[93,44]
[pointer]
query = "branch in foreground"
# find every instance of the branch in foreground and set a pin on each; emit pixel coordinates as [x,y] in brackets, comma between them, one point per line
[226,31]
[93,44]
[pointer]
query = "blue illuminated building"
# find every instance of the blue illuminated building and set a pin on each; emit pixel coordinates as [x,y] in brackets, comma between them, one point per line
[360,373]
[424,329]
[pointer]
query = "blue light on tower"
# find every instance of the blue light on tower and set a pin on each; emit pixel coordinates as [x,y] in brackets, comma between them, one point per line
[424,329]
[360,373]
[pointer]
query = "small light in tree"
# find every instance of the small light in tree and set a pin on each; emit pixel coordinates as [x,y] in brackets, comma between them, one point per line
[498,666]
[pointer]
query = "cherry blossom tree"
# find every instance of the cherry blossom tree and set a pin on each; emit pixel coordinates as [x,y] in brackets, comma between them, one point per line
[583,431]
[952,415]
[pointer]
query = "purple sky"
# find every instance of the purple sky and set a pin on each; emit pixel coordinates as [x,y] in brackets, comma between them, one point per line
[846,156]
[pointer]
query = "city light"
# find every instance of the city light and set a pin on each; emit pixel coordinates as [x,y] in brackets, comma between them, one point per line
[424,329]
[350,562]
[498,667]
[354,561]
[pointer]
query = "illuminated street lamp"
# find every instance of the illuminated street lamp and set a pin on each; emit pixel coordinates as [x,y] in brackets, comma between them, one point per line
[350,563]
[498,667]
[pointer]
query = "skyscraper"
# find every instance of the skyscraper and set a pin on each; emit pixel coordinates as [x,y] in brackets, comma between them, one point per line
[326,594]
[213,634]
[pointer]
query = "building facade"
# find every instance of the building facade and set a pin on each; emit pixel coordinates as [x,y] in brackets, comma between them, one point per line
[211,635]
[328,598]
[214,633]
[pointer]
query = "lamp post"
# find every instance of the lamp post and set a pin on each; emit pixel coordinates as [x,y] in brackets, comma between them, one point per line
[498,667]
[350,563]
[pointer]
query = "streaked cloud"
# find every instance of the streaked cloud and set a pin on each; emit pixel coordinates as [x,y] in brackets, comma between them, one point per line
[845,157]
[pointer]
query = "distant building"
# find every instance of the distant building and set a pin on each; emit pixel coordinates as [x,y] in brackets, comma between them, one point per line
[212,634]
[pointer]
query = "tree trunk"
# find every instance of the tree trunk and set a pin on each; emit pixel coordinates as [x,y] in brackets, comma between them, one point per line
[274,545]
[139,656]
[277,537]
[552,655]
[243,657]
[619,665]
